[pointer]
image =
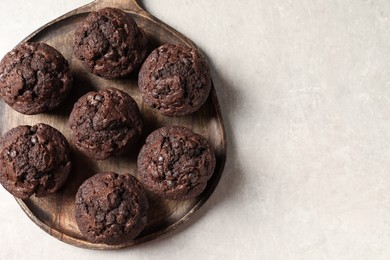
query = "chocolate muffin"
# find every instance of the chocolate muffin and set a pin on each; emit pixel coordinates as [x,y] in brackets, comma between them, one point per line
[33,160]
[105,123]
[109,43]
[34,78]
[175,79]
[111,208]
[176,163]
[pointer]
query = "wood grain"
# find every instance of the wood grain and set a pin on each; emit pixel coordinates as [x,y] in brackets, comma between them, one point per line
[55,214]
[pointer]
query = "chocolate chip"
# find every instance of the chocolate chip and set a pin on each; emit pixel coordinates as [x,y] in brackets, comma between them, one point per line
[13,153]
[110,219]
[170,184]
[98,97]
[33,129]
[155,93]
[34,139]
[46,158]
[100,217]
[194,180]
[187,61]
[175,144]
[95,100]
[155,174]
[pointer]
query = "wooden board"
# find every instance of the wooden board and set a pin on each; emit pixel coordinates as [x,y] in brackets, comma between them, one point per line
[55,214]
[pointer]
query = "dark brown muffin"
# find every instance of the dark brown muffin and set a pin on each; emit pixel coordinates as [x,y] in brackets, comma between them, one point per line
[105,123]
[33,160]
[111,208]
[175,79]
[176,163]
[109,43]
[34,78]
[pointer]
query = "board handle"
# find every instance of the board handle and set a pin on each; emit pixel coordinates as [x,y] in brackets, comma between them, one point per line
[129,5]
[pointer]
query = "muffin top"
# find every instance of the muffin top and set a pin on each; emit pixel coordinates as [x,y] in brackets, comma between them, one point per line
[109,43]
[175,79]
[34,78]
[33,160]
[104,123]
[176,163]
[111,208]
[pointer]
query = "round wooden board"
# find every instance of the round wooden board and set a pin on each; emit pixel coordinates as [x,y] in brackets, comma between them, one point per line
[55,214]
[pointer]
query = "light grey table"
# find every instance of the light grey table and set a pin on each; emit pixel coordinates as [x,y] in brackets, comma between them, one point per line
[304,88]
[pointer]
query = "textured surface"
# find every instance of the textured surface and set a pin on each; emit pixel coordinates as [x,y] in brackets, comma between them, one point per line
[111,208]
[105,123]
[305,91]
[34,78]
[175,80]
[33,160]
[109,43]
[175,163]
